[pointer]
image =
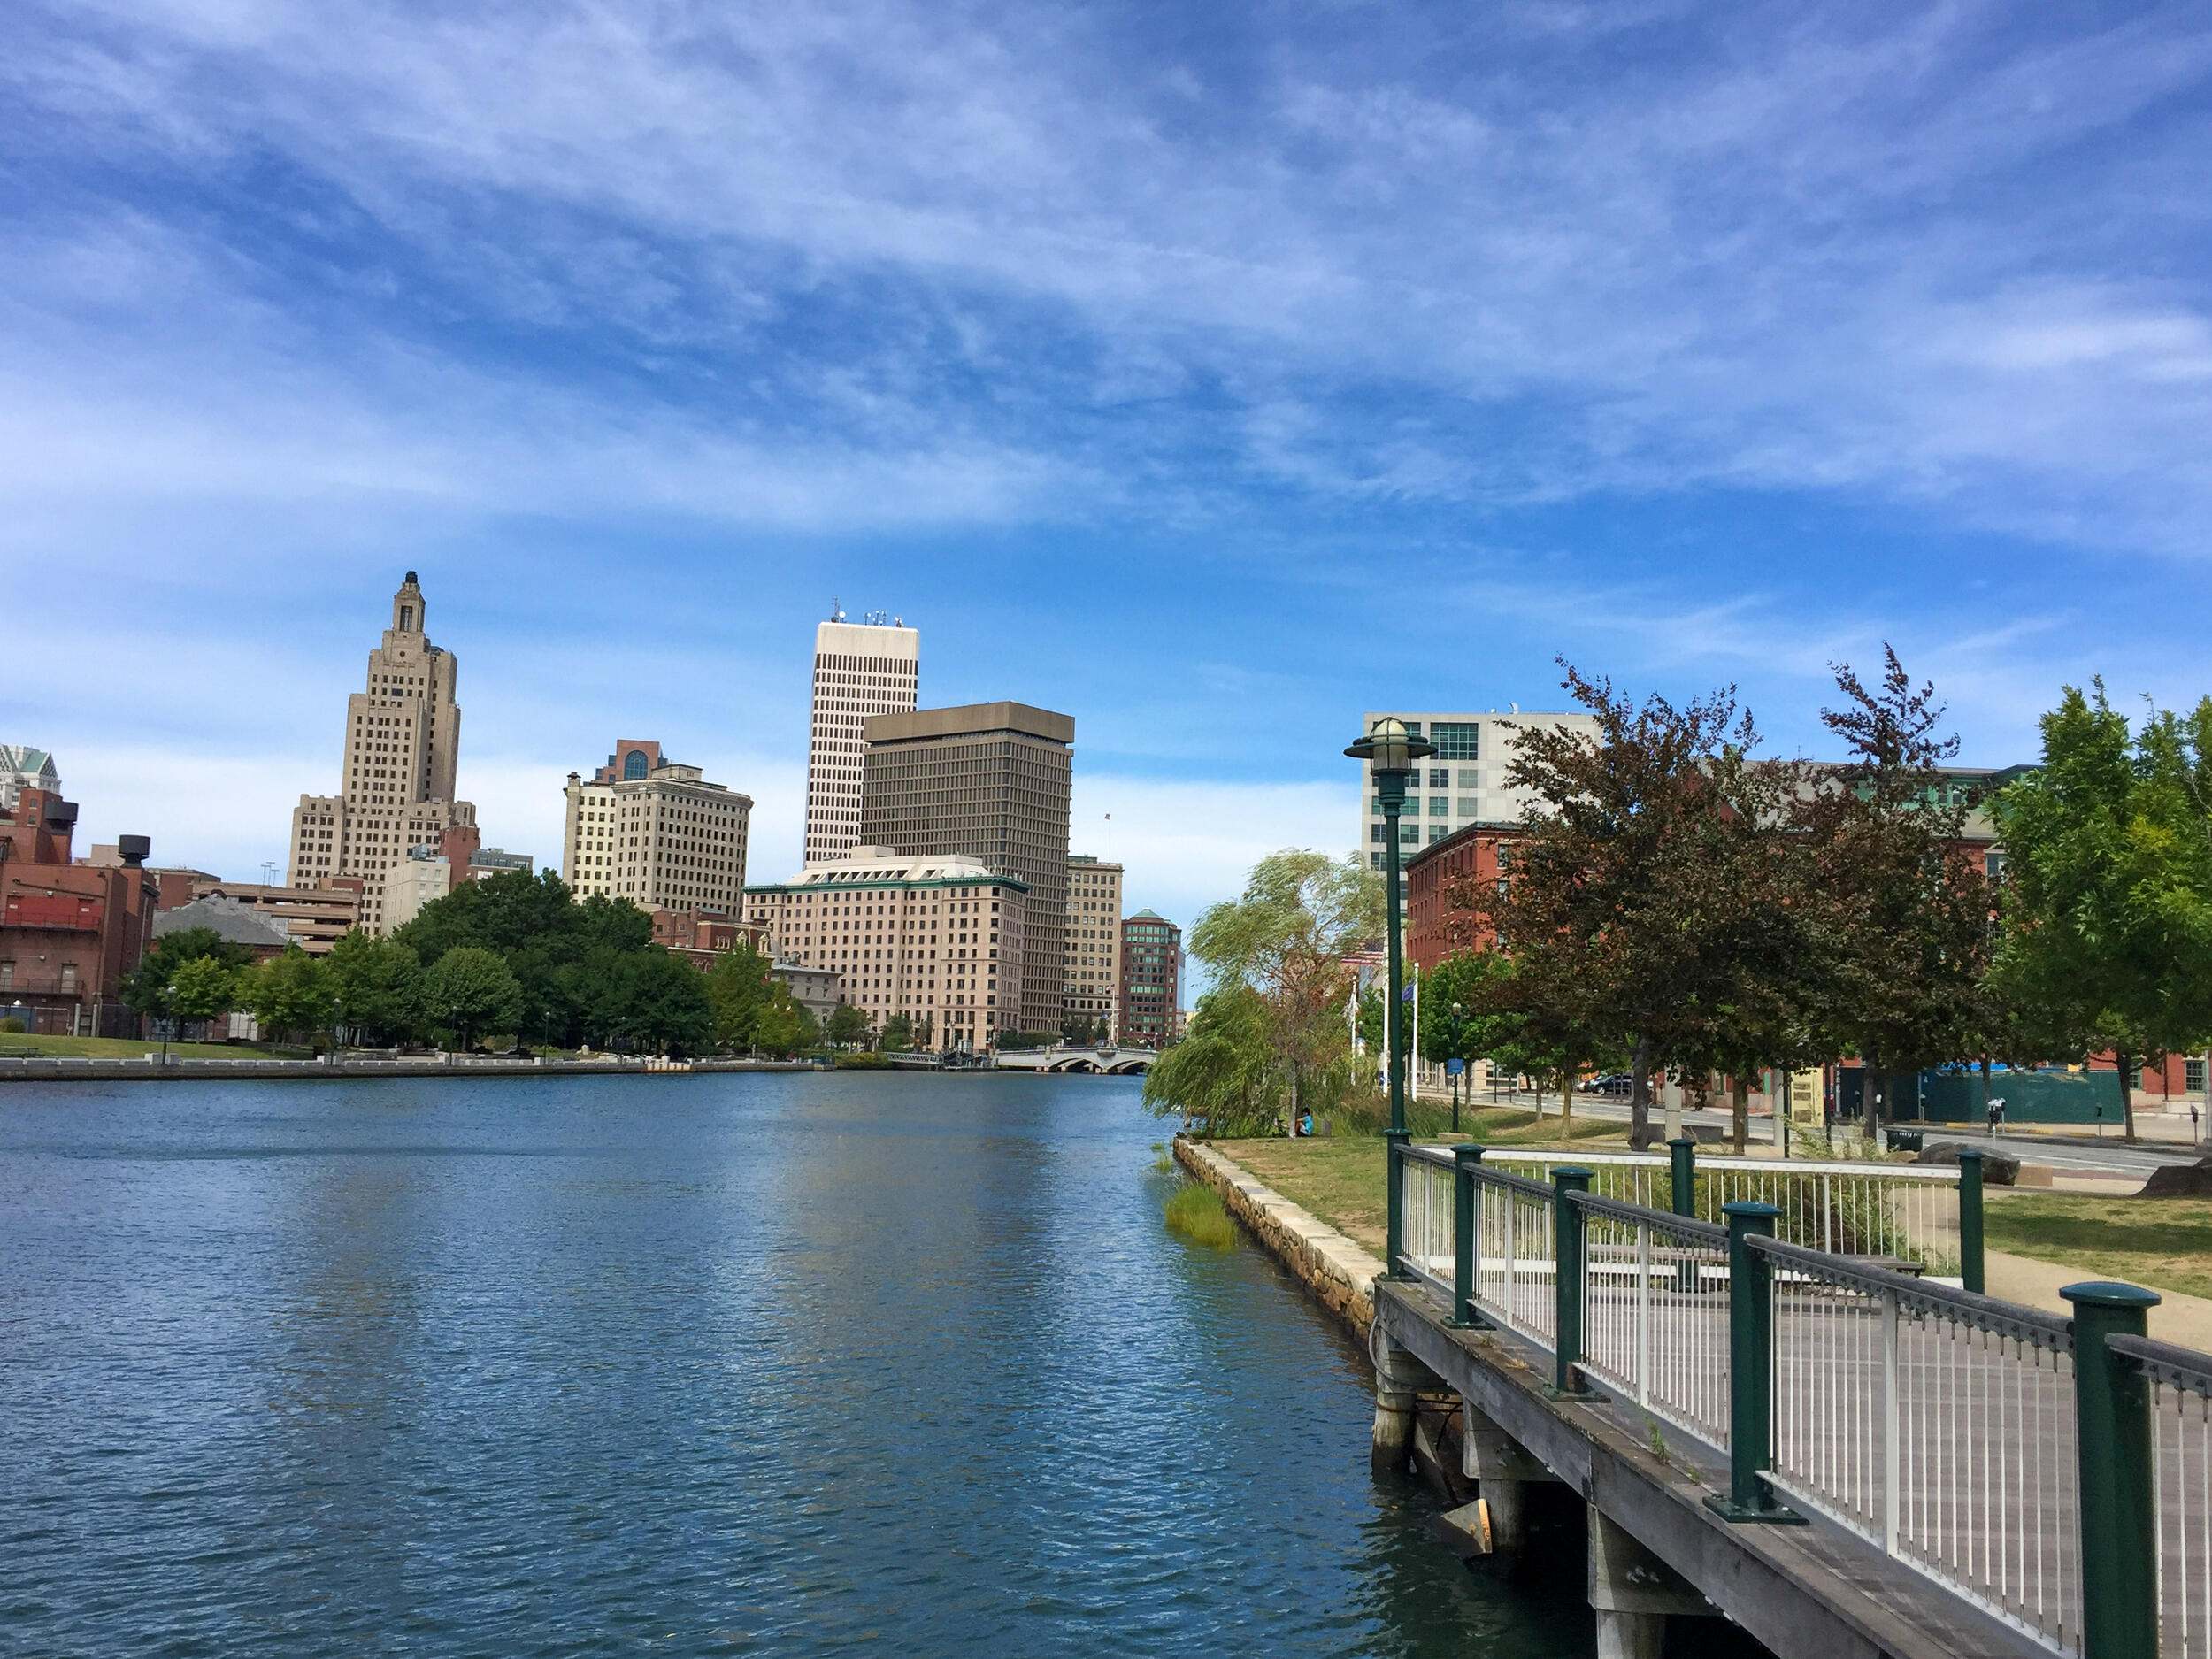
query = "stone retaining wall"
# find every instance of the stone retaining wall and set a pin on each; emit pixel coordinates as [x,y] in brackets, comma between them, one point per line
[1338,1272]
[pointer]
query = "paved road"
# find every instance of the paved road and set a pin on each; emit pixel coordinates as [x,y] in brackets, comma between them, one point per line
[2112,1155]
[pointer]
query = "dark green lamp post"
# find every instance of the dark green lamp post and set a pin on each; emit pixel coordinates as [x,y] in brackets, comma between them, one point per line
[1391,753]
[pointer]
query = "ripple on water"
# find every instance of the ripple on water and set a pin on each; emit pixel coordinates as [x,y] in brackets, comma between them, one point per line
[790,1364]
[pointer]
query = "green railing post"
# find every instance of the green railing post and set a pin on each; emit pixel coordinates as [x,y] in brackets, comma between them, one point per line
[1683,1152]
[1682,1164]
[1466,1218]
[2119,1518]
[1750,1369]
[1567,1279]
[1394,1182]
[1971,1219]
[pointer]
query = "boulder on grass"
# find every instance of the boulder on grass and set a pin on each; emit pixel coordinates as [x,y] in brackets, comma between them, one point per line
[2180,1180]
[1997,1168]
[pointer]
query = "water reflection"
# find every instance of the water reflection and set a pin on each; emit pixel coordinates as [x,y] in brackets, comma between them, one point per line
[789,1365]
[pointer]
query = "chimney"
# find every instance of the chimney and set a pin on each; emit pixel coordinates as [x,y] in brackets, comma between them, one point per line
[131,849]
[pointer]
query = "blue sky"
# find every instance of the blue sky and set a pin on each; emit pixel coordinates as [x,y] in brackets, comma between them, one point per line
[1211,374]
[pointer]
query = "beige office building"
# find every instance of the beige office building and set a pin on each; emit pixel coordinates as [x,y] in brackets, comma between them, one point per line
[1093,943]
[647,829]
[402,743]
[987,781]
[937,937]
[860,669]
[1468,780]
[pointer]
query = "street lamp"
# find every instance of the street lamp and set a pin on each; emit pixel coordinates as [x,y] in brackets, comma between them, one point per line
[1391,753]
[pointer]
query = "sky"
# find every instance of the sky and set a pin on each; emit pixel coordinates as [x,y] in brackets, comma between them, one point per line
[1210,373]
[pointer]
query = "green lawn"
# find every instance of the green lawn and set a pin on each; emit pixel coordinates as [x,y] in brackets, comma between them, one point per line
[1339,1178]
[15,1044]
[2162,1242]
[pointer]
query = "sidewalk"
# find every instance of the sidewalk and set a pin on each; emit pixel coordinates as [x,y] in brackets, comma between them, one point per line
[2187,1320]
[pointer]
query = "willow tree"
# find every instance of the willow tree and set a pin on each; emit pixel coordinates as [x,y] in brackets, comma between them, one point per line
[1286,939]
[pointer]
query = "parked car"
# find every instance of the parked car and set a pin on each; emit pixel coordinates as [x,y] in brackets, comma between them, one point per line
[1606,1083]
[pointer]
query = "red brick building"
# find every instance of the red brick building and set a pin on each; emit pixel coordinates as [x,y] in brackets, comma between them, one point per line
[1434,928]
[68,932]
[700,936]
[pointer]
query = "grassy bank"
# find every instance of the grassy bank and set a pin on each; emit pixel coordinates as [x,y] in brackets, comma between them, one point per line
[20,1045]
[1339,1178]
[2164,1242]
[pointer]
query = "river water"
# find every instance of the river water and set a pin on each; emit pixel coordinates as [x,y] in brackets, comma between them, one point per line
[746,1364]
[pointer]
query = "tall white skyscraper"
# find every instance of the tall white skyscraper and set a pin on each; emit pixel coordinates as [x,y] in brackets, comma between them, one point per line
[860,669]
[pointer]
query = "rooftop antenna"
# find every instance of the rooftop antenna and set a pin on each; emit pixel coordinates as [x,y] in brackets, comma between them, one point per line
[837,610]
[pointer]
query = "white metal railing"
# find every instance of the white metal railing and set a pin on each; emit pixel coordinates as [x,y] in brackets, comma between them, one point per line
[1938,1424]
[1655,1312]
[1517,1255]
[1428,1194]
[2180,1386]
[1909,1211]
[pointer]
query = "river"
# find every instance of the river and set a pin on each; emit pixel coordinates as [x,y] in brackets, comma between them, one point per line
[854,1363]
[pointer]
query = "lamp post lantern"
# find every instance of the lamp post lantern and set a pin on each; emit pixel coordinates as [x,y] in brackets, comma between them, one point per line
[1391,753]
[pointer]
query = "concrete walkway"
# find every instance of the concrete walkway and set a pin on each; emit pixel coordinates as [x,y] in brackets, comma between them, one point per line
[2187,1320]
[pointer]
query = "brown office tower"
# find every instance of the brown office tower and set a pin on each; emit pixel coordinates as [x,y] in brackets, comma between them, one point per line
[987,781]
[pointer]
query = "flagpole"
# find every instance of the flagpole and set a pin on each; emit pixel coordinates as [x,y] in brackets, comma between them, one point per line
[1414,1058]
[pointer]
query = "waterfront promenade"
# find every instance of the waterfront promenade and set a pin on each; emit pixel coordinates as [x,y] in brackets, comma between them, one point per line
[1693,1384]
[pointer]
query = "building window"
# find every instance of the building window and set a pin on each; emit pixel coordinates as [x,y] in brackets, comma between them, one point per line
[1455,739]
[2191,1071]
[1440,777]
[1439,807]
[1467,807]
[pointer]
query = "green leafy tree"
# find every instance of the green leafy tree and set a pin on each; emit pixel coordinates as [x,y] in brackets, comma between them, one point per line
[1895,910]
[146,988]
[785,1026]
[847,1025]
[291,992]
[202,987]
[663,1005]
[377,987]
[1225,1077]
[898,1034]
[563,954]
[740,988]
[1604,911]
[2107,891]
[470,989]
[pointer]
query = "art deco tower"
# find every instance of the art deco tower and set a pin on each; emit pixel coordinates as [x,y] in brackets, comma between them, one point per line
[402,740]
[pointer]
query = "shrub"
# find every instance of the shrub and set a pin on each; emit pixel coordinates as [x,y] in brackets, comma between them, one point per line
[862,1062]
[14,1027]
[1197,1213]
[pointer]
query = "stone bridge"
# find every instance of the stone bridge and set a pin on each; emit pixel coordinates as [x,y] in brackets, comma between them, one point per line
[1111,1060]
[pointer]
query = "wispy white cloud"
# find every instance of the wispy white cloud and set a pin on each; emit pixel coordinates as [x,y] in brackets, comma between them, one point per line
[1723,264]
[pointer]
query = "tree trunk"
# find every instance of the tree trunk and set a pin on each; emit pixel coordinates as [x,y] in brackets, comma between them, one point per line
[1985,1071]
[1639,1095]
[2127,1094]
[1870,1100]
[1741,1088]
[1566,1099]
